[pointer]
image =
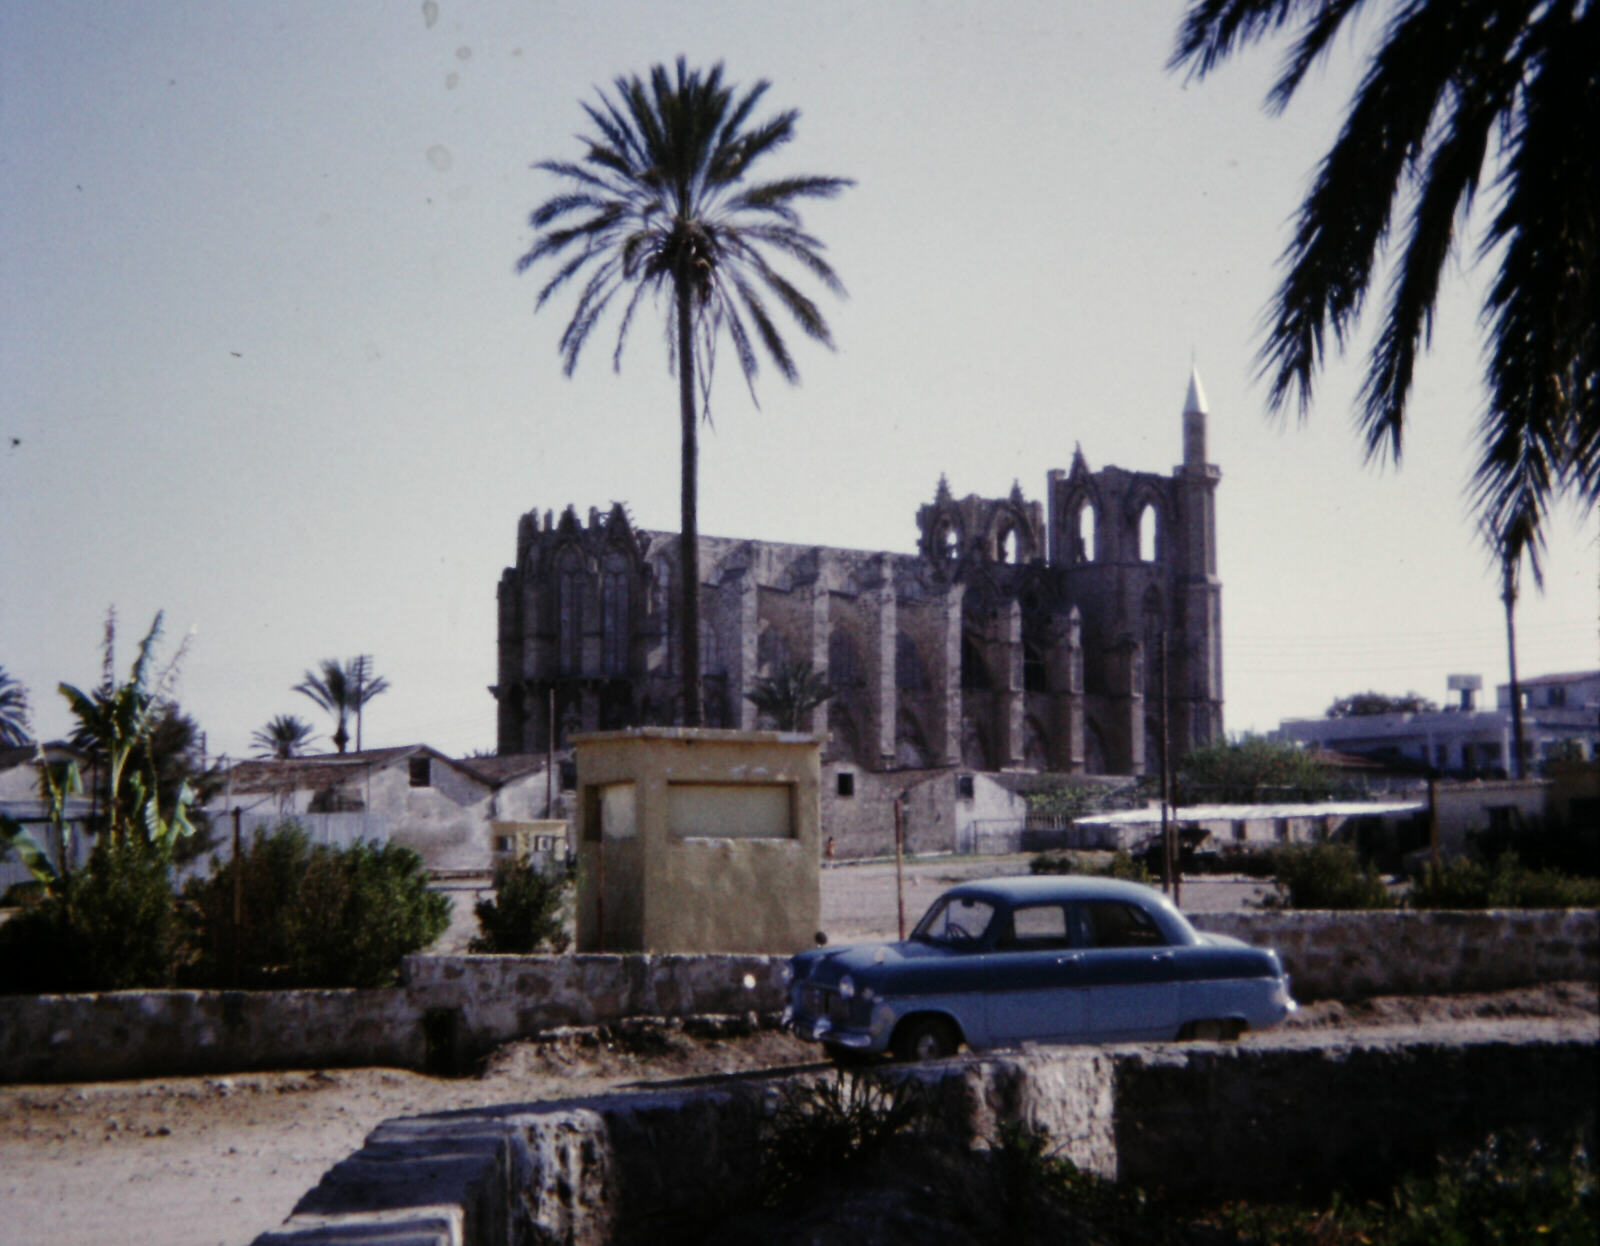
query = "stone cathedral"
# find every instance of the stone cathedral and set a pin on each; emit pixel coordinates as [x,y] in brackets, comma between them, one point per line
[1019,636]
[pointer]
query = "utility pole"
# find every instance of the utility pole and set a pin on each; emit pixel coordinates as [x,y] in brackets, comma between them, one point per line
[1508,594]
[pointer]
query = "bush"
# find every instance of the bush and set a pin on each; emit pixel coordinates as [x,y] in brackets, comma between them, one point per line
[1507,884]
[528,912]
[1547,845]
[1328,876]
[110,926]
[833,1126]
[1119,865]
[314,916]
[1253,770]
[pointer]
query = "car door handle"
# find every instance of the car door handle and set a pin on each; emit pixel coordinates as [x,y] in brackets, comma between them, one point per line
[1160,956]
[1070,958]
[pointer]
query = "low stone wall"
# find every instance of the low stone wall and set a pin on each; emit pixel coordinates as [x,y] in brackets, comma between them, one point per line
[495,999]
[454,1009]
[118,1034]
[1236,1120]
[1342,955]
[451,1010]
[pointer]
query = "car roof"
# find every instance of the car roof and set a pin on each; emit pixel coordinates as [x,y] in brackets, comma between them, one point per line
[1024,888]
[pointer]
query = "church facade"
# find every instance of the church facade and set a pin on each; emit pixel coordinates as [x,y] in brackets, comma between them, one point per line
[1020,636]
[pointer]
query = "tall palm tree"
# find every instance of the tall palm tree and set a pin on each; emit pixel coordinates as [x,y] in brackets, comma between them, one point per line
[1458,91]
[343,689]
[660,205]
[14,728]
[284,737]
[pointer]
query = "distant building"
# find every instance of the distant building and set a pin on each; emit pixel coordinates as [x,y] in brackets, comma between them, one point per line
[1020,635]
[1560,720]
[458,814]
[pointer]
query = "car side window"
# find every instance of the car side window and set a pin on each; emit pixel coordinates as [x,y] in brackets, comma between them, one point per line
[958,922]
[1037,926]
[1115,923]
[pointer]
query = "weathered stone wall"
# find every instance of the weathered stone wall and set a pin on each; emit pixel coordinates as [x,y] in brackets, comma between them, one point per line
[451,1010]
[1340,955]
[63,1038]
[466,1005]
[1232,1120]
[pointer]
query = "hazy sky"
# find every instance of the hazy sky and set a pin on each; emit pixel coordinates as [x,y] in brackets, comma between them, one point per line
[265,363]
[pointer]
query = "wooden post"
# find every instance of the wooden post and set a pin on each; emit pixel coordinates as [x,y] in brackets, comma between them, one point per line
[899,866]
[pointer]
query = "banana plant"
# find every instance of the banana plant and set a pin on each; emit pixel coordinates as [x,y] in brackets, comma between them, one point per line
[57,781]
[115,722]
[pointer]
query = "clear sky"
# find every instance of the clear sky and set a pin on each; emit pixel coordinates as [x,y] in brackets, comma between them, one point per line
[265,363]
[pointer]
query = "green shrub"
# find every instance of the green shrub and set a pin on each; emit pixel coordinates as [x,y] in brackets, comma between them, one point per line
[1119,865]
[1328,876]
[314,916]
[1463,883]
[1546,845]
[528,912]
[832,1126]
[110,926]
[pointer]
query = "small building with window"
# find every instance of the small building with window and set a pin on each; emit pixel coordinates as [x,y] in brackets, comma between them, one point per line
[459,814]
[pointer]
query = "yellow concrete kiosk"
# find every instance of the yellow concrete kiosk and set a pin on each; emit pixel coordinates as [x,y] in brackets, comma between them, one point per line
[694,840]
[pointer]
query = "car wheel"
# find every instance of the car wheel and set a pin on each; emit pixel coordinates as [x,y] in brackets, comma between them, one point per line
[1215,1031]
[926,1038]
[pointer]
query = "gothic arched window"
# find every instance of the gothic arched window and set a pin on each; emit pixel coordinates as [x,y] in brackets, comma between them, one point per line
[1084,536]
[569,614]
[614,630]
[1149,533]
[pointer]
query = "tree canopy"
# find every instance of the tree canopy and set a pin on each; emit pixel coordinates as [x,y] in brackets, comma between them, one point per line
[790,693]
[1459,97]
[1252,770]
[1360,704]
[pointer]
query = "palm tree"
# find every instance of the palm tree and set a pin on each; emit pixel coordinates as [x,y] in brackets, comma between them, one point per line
[659,205]
[14,728]
[284,737]
[343,689]
[790,694]
[1457,91]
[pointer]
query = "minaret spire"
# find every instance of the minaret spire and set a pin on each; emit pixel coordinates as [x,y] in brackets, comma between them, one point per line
[1194,423]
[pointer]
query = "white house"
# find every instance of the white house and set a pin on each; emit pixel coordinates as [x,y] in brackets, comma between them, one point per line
[1561,718]
[455,813]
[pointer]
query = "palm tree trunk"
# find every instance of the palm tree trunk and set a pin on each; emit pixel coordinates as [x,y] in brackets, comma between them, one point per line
[689,534]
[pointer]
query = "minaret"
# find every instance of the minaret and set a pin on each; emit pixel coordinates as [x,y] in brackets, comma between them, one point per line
[1197,691]
[1194,424]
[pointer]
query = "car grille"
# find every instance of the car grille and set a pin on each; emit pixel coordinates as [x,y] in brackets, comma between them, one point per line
[820,1001]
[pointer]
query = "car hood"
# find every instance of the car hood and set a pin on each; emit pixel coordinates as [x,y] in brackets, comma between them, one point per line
[828,965]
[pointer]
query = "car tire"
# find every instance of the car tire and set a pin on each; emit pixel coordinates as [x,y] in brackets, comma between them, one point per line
[1216,1030]
[926,1038]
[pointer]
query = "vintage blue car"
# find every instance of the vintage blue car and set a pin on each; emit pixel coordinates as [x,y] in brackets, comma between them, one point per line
[1061,959]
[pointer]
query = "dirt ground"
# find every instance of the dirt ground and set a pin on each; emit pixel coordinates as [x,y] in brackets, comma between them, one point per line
[195,1161]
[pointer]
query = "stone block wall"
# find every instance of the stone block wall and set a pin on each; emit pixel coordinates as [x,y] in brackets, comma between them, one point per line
[456,1008]
[1334,955]
[1227,1120]
[116,1034]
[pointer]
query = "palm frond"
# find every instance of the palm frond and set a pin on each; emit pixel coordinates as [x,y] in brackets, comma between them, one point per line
[1213,29]
[1308,49]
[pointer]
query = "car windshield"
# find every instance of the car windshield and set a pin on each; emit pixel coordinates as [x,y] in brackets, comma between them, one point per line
[955,921]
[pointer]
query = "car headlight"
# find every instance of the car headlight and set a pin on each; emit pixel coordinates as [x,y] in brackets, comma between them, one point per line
[847,987]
